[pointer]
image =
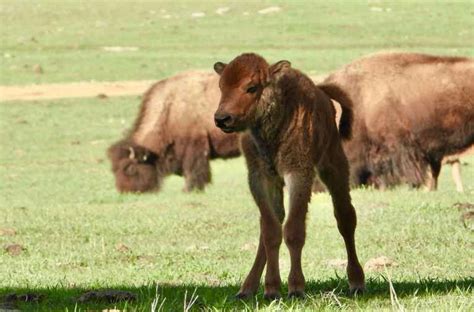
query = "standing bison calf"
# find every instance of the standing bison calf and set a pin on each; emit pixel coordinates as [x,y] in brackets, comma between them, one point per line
[174,133]
[410,111]
[291,134]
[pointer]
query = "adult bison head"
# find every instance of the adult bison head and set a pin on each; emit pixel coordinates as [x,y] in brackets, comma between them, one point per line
[134,167]
[243,83]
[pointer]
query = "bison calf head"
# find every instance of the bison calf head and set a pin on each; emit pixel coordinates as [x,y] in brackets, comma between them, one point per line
[242,83]
[134,167]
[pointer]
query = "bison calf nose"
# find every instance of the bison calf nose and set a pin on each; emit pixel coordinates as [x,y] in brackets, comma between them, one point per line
[223,120]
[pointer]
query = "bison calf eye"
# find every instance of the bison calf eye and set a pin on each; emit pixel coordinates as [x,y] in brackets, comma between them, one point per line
[252,89]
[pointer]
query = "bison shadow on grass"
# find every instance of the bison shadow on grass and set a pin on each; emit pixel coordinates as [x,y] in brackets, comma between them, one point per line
[215,296]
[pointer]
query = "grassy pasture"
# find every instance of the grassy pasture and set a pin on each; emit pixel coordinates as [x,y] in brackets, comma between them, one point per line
[67,37]
[57,193]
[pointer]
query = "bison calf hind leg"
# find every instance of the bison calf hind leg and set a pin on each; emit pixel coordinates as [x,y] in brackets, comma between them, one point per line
[334,172]
[299,189]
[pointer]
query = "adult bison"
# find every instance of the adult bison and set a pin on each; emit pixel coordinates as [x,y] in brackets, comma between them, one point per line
[173,133]
[410,111]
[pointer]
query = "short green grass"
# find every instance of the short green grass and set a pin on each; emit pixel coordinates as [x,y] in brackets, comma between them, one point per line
[67,37]
[57,192]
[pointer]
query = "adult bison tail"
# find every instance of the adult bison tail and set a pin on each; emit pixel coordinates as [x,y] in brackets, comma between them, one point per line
[347,116]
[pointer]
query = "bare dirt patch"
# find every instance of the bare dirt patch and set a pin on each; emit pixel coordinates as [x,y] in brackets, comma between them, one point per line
[467,214]
[379,264]
[101,90]
[110,296]
[337,264]
[14,249]
[121,247]
[7,232]
[28,297]
[73,90]
[10,301]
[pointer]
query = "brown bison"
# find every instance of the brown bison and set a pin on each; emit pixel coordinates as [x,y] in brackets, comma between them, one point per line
[174,133]
[290,134]
[410,111]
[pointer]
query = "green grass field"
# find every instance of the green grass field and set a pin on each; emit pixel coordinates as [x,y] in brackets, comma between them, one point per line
[67,38]
[57,192]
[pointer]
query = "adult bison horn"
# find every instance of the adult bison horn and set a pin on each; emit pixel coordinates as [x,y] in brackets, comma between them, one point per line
[132,153]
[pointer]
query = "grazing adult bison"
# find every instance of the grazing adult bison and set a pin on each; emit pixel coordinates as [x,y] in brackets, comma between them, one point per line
[290,134]
[174,133]
[410,111]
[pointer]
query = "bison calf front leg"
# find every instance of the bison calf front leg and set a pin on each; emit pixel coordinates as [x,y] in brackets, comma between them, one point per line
[251,283]
[272,238]
[268,195]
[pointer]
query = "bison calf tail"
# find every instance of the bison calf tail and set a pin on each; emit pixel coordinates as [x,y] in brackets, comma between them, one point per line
[347,115]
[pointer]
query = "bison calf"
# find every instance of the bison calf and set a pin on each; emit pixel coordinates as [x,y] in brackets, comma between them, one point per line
[174,133]
[291,134]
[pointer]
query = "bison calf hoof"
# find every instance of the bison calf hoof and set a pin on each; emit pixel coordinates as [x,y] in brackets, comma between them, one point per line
[296,294]
[272,296]
[243,295]
[355,290]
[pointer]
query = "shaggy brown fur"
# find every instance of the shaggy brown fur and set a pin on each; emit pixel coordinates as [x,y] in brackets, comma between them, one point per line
[174,133]
[411,110]
[291,134]
[453,160]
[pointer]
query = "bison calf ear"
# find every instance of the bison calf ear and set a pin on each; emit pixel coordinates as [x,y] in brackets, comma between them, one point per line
[279,67]
[277,70]
[219,67]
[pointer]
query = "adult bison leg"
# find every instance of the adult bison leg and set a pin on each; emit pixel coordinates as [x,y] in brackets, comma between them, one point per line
[267,192]
[435,166]
[334,172]
[456,174]
[299,189]
[196,168]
